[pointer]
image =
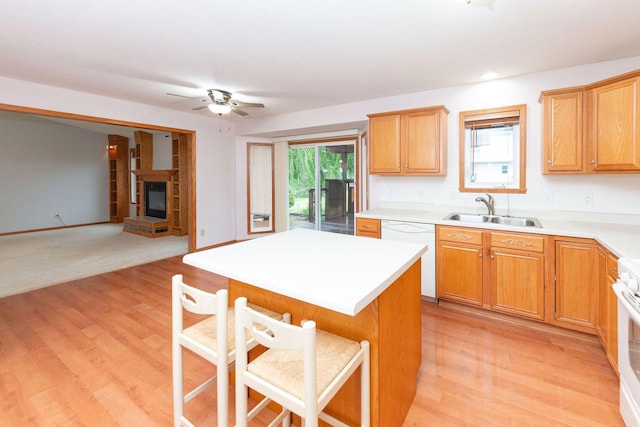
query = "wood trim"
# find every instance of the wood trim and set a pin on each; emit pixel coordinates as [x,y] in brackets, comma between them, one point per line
[519,110]
[410,111]
[51,113]
[324,140]
[561,91]
[273,186]
[52,228]
[614,79]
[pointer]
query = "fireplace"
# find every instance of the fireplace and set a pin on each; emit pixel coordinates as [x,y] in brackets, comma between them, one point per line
[155,199]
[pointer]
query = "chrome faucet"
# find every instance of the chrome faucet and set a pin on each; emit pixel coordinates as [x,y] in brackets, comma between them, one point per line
[489,203]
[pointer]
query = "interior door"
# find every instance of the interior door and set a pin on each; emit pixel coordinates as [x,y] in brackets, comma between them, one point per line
[322,186]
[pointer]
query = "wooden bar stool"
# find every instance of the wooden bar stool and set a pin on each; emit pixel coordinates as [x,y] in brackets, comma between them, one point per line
[213,339]
[302,368]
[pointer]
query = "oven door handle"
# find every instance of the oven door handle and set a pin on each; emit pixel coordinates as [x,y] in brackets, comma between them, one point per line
[619,288]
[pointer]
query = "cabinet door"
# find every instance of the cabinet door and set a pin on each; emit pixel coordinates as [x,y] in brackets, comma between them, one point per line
[576,287]
[612,312]
[602,315]
[562,133]
[368,227]
[517,282]
[384,144]
[615,137]
[459,272]
[422,151]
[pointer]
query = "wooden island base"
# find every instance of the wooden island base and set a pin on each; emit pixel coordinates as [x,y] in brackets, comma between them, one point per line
[392,325]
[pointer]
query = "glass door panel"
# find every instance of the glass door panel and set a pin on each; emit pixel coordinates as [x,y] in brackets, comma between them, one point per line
[337,170]
[321,187]
[302,186]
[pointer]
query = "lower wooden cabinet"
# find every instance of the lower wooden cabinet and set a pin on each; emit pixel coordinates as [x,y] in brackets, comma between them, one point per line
[609,295]
[517,277]
[368,227]
[561,281]
[577,283]
[459,259]
[497,270]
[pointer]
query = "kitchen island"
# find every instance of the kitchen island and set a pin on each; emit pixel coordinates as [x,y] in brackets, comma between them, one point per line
[352,286]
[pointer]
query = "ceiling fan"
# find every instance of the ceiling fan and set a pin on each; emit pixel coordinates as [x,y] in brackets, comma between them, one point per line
[221,102]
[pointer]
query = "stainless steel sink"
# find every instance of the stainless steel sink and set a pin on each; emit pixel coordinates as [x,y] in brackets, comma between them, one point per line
[468,217]
[495,219]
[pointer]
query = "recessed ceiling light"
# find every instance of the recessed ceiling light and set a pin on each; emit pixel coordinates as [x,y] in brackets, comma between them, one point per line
[490,75]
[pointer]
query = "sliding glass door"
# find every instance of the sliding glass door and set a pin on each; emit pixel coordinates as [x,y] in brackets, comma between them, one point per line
[321,186]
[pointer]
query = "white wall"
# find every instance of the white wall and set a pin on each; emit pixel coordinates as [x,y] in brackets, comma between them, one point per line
[65,169]
[607,193]
[215,150]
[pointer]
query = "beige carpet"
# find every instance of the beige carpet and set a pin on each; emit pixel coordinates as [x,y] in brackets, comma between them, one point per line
[35,260]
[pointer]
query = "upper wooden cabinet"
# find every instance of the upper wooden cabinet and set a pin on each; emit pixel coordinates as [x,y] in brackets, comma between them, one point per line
[563,131]
[593,128]
[614,131]
[408,142]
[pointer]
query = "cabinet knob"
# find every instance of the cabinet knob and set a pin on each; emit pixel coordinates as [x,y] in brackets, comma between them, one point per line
[491,256]
[549,161]
[480,255]
[593,162]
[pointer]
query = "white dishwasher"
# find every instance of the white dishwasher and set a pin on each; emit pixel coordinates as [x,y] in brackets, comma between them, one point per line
[416,232]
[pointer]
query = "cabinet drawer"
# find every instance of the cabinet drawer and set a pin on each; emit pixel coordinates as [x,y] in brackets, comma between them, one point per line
[526,242]
[460,235]
[368,227]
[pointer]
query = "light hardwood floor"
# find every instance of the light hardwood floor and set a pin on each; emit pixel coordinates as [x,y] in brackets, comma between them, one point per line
[97,352]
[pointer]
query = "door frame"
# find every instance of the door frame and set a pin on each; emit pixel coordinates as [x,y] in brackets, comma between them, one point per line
[191,150]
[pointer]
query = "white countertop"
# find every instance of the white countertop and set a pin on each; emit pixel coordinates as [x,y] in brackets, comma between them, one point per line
[616,234]
[339,272]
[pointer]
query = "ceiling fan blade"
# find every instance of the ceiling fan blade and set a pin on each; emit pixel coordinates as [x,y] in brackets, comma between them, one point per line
[184,96]
[201,108]
[240,112]
[247,104]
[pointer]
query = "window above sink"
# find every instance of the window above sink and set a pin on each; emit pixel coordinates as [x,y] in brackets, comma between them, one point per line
[492,150]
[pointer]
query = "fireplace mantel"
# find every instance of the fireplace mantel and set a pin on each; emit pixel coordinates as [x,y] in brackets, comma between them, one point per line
[156,175]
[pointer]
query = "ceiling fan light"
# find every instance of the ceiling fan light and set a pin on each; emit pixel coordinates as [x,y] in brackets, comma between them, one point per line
[220,108]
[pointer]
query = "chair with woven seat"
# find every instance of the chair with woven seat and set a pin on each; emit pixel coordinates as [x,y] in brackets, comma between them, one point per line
[212,338]
[301,370]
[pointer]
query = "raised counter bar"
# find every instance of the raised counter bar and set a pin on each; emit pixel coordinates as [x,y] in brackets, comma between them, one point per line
[356,287]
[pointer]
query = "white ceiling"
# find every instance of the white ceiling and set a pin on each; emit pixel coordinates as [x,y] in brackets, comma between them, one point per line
[296,55]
